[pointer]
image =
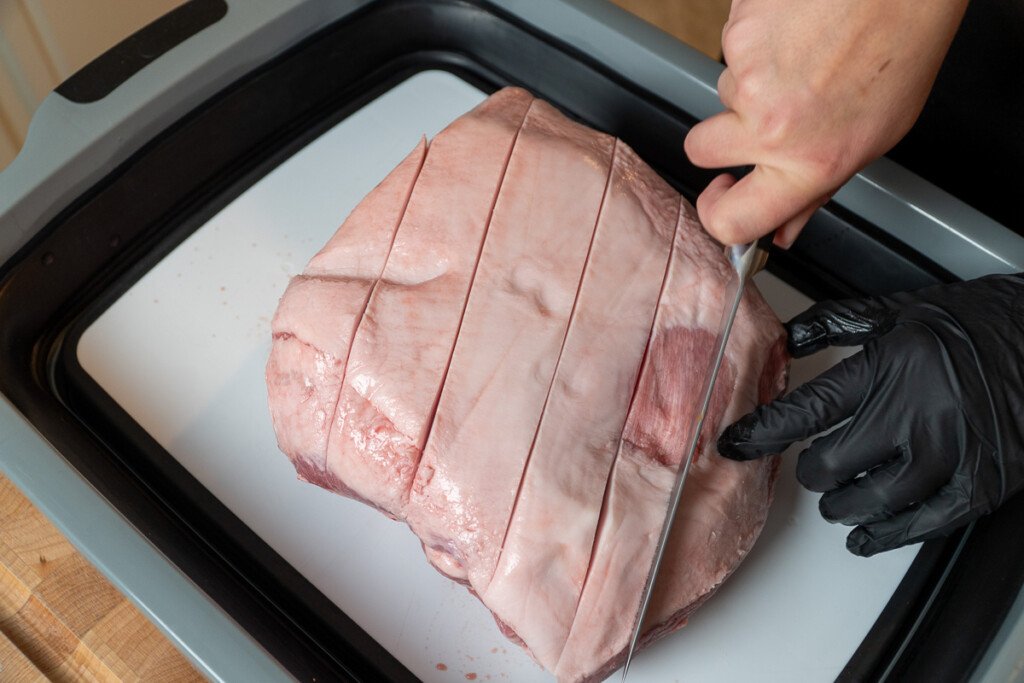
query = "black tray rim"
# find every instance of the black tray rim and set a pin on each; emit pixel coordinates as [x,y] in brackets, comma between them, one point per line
[42,377]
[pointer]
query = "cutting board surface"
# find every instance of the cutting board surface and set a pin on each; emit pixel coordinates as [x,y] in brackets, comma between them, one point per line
[184,350]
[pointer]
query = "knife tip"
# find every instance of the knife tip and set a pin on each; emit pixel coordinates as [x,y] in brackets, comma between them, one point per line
[625,668]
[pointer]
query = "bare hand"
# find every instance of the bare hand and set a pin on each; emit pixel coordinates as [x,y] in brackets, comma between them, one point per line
[814,92]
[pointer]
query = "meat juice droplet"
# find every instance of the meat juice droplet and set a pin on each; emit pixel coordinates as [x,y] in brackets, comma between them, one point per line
[470,677]
[442,667]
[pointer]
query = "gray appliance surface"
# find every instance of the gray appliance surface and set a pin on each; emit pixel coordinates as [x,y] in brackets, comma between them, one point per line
[70,146]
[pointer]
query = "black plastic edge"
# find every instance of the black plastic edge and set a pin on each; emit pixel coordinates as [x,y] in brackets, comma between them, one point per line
[899,620]
[48,298]
[103,75]
[950,640]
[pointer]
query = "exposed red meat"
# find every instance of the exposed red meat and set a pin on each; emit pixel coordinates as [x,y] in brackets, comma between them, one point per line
[514,376]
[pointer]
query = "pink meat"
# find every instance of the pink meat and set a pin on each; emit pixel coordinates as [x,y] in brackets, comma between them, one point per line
[518,381]
[548,546]
[319,313]
[509,343]
[724,504]
[401,350]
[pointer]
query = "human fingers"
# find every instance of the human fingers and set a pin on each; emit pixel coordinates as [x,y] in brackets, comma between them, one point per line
[810,409]
[719,141]
[844,322]
[883,492]
[786,234]
[727,88]
[863,445]
[714,190]
[757,204]
[937,516]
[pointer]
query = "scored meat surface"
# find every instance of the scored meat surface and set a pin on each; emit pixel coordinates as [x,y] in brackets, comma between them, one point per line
[545,556]
[509,343]
[402,346]
[318,316]
[501,346]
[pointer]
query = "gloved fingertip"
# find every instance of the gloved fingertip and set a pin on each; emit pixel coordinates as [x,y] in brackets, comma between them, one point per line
[736,442]
[827,513]
[862,543]
[848,322]
[805,338]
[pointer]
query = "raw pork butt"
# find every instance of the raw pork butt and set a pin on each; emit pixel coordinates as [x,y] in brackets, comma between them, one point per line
[501,346]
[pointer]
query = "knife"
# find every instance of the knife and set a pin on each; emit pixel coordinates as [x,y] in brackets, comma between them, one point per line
[746,259]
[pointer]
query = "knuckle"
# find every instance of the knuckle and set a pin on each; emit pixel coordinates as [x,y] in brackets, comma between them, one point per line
[751,97]
[725,227]
[815,472]
[725,80]
[984,509]
[732,40]
[740,36]
[778,119]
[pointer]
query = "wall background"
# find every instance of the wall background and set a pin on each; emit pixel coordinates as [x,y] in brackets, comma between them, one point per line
[42,42]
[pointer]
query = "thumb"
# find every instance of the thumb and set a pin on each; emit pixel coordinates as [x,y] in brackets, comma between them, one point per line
[761,201]
[847,322]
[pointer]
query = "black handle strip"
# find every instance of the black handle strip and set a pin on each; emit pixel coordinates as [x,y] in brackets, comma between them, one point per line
[101,76]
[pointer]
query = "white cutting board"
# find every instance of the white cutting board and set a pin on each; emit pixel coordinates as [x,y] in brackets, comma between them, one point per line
[183,351]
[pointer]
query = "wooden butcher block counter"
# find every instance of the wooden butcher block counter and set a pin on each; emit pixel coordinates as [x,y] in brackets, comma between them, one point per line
[60,619]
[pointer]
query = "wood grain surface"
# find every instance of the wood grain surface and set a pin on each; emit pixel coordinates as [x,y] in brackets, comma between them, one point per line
[60,619]
[697,23]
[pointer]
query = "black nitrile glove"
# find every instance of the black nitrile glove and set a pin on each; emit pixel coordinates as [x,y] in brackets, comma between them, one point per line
[936,407]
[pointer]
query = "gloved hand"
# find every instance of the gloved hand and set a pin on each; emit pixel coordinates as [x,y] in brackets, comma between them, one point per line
[935,402]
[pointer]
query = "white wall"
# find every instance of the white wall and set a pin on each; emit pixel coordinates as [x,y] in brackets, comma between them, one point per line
[42,42]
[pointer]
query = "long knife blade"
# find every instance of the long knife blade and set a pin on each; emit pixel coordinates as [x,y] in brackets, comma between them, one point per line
[747,259]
